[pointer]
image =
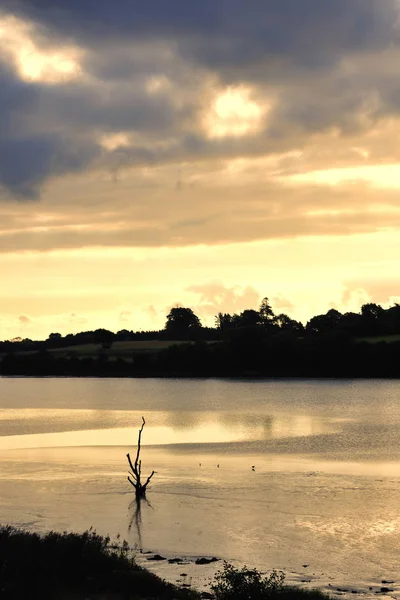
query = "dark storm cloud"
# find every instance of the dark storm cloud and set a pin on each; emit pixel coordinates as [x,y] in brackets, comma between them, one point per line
[228,33]
[28,156]
[259,40]
[16,99]
[25,163]
[287,49]
[48,130]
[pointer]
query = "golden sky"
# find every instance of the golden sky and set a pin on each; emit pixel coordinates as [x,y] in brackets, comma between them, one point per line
[204,154]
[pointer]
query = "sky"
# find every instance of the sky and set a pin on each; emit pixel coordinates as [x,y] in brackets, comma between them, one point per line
[202,154]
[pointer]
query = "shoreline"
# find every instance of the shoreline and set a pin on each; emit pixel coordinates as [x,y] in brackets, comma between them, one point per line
[90,565]
[199,577]
[223,377]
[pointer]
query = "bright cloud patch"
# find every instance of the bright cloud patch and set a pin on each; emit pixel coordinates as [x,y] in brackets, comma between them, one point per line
[234,113]
[114,140]
[380,176]
[47,65]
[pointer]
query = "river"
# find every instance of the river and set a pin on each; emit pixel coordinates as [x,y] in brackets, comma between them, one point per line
[322,502]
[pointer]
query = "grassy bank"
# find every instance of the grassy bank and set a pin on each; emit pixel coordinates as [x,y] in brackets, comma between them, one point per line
[69,566]
[61,566]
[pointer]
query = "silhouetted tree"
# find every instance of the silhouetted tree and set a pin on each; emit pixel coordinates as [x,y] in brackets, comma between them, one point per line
[54,340]
[247,318]
[372,319]
[392,319]
[266,313]
[224,321]
[323,324]
[182,324]
[351,324]
[135,474]
[285,323]
[55,336]
[103,337]
[372,311]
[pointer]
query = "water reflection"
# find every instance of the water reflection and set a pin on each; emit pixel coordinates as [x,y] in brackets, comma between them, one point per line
[126,436]
[35,428]
[135,509]
[325,490]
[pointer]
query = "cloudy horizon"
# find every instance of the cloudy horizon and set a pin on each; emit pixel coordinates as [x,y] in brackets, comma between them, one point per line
[203,154]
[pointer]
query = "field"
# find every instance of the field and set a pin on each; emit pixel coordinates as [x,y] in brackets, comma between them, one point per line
[117,350]
[380,338]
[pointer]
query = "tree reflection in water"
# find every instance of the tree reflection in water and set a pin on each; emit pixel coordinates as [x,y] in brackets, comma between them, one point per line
[135,508]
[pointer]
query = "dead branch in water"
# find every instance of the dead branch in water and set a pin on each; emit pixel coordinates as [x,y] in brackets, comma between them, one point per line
[135,474]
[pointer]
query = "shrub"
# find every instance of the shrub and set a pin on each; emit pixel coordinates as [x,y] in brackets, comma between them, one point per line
[246,584]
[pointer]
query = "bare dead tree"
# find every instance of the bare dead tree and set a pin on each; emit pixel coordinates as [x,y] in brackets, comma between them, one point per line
[135,473]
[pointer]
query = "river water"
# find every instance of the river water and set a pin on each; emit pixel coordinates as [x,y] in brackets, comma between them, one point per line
[324,492]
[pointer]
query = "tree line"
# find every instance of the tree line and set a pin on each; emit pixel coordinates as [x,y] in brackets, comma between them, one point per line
[372,320]
[183,324]
[250,343]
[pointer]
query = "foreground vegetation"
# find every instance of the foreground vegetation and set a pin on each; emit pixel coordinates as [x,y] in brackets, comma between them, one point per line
[250,584]
[61,566]
[73,566]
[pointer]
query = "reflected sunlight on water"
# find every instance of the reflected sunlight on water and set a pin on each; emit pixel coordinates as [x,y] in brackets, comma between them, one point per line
[325,490]
[30,428]
[125,437]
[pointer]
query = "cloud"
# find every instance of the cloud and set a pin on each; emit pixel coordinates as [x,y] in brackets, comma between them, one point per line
[280,303]
[155,71]
[29,153]
[24,320]
[112,112]
[25,163]
[215,297]
[74,320]
[124,316]
[227,32]
[382,291]
[147,215]
[152,312]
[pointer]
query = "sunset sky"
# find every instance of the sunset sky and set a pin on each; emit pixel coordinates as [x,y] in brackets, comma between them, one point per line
[205,154]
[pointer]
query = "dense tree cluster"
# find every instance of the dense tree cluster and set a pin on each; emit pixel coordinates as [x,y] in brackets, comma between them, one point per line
[251,343]
[264,318]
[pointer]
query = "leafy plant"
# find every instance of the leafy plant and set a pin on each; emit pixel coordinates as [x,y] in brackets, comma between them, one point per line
[246,584]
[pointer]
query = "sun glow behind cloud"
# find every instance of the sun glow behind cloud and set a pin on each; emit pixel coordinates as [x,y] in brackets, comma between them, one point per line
[234,113]
[47,65]
[114,140]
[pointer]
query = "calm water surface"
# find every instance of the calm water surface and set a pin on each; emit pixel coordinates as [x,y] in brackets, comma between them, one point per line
[325,491]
